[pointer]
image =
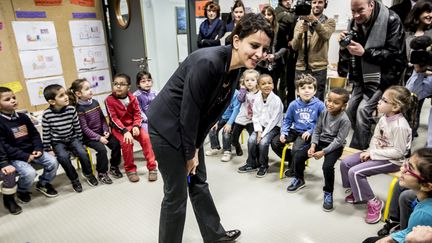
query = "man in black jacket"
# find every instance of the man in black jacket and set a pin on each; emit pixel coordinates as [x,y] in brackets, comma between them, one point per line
[375,59]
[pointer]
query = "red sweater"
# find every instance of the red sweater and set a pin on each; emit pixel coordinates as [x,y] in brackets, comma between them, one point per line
[123,118]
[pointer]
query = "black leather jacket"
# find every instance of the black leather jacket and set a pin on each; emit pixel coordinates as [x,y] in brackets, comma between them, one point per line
[391,57]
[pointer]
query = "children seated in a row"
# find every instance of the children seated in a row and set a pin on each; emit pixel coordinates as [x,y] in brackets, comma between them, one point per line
[144,94]
[23,147]
[225,123]
[9,188]
[297,127]
[389,147]
[125,120]
[95,130]
[267,119]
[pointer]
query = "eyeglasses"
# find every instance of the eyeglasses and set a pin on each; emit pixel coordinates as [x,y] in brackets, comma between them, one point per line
[121,85]
[407,168]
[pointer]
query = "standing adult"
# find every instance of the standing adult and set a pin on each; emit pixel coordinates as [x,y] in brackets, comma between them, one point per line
[402,9]
[313,51]
[375,60]
[212,29]
[180,117]
[237,12]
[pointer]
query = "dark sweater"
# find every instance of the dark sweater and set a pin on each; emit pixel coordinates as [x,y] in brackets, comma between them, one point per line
[3,158]
[92,120]
[20,136]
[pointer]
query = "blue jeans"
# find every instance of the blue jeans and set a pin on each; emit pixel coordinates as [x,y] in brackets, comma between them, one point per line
[214,138]
[63,155]
[260,151]
[27,173]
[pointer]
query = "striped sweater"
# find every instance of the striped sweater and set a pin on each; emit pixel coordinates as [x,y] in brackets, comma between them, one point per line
[60,126]
[92,120]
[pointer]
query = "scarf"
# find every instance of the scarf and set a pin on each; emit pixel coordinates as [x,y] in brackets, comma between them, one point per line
[207,30]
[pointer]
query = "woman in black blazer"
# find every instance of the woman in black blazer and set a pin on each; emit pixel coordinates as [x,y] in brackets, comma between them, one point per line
[180,117]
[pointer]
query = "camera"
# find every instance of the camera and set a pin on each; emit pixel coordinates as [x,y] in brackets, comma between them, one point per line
[421,57]
[303,7]
[344,42]
[421,50]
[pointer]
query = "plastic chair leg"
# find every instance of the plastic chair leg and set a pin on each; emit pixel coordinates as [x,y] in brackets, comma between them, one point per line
[282,165]
[389,196]
[91,161]
[242,137]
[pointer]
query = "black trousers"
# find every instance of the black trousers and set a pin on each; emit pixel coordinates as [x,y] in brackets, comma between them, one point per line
[101,153]
[328,165]
[172,166]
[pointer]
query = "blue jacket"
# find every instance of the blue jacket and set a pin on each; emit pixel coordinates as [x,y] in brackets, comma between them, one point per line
[232,110]
[302,116]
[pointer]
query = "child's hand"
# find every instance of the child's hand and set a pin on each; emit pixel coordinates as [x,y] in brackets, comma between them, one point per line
[258,140]
[106,135]
[135,131]
[318,155]
[306,136]
[364,156]
[282,138]
[37,154]
[30,158]
[127,138]
[9,169]
[311,152]
[227,128]
[103,140]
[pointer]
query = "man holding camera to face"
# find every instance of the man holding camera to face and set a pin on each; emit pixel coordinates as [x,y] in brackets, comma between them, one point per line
[372,51]
[311,39]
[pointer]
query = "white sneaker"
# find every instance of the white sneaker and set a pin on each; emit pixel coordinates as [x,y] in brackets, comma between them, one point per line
[212,152]
[226,156]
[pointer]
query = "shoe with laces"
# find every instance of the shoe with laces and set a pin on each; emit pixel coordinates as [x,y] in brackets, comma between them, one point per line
[76,185]
[296,184]
[47,190]
[388,228]
[230,236]
[262,171]
[115,171]
[289,173]
[350,198]
[246,168]
[212,152]
[226,156]
[153,174]
[91,180]
[24,197]
[328,202]
[104,178]
[374,210]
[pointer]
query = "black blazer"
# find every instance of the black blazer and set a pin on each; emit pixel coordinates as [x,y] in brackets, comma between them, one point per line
[194,98]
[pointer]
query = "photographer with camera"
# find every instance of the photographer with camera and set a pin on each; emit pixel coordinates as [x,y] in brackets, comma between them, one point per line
[311,39]
[373,52]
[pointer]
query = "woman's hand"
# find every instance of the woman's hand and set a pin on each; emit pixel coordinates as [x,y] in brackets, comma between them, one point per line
[192,164]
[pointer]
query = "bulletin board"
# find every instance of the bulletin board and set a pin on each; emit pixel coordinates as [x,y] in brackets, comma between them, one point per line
[60,13]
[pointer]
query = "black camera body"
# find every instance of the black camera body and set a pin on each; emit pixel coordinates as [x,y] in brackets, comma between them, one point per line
[421,57]
[303,7]
[351,35]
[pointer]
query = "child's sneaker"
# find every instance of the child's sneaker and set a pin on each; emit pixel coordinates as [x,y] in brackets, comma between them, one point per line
[388,228]
[239,150]
[212,152]
[23,197]
[262,171]
[350,198]
[91,180]
[104,178]
[328,202]
[296,185]
[246,168]
[76,185]
[153,174]
[132,176]
[115,171]
[47,190]
[289,172]
[226,156]
[374,210]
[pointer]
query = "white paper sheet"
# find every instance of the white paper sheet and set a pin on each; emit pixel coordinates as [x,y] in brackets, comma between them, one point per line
[35,88]
[90,58]
[87,32]
[41,63]
[100,80]
[35,35]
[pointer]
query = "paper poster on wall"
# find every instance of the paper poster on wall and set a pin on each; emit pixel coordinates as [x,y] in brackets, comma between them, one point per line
[87,32]
[35,35]
[41,63]
[101,99]
[90,58]
[100,81]
[48,2]
[182,49]
[35,88]
[84,3]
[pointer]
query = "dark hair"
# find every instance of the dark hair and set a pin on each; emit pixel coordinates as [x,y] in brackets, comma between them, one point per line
[407,101]
[141,75]
[420,42]
[123,75]
[341,91]
[51,91]
[238,3]
[76,86]
[306,79]
[274,23]
[413,18]
[265,75]
[212,6]
[250,24]
[4,90]
[424,166]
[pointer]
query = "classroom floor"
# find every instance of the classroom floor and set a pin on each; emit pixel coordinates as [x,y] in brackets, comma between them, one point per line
[260,207]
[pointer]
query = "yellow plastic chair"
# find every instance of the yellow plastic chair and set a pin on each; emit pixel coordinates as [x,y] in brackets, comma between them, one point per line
[335,82]
[282,163]
[91,161]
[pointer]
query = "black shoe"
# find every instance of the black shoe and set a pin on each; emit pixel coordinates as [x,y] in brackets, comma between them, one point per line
[230,235]
[296,185]
[388,228]
[239,150]
[262,172]
[76,185]
[47,190]
[115,171]
[246,168]
[11,205]
[24,197]
[91,180]
[289,173]
[104,178]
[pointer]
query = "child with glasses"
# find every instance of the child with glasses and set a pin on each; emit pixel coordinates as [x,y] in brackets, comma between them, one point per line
[144,94]
[125,120]
[389,146]
[417,176]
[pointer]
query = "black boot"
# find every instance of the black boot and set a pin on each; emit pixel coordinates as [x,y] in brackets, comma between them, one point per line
[11,205]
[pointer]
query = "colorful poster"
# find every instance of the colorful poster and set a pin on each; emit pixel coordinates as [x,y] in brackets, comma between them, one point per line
[35,35]
[90,58]
[35,88]
[87,32]
[84,3]
[199,8]
[41,63]
[100,81]
[14,86]
[48,2]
